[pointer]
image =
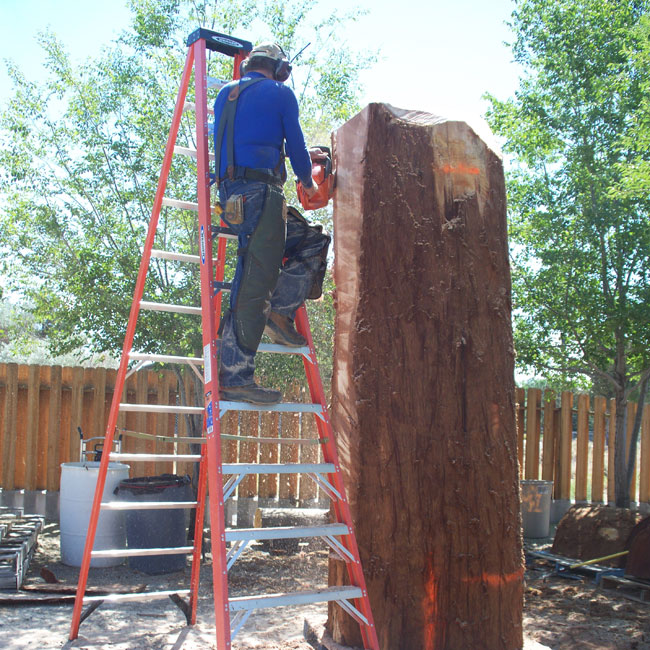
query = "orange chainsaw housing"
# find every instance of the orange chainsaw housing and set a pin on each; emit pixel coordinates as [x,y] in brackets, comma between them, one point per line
[321,171]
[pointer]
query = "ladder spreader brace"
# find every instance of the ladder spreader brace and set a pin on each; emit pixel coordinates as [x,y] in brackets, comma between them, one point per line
[339,535]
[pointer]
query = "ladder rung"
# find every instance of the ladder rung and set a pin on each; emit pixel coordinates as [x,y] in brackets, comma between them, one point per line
[285,532]
[191,106]
[177,309]
[147,505]
[278,468]
[297,598]
[151,457]
[144,595]
[143,552]
[183,205]
[190,153]
[161,408]
[214,82]
[165,358]
[176,257]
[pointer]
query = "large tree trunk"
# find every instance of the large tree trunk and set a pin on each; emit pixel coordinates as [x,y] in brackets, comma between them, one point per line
[423,385]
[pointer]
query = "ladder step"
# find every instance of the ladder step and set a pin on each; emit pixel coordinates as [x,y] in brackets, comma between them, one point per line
[190,153]
[165,358]
[169,358]
[282,407]
[183,205]
[278,468]
[143,552]
[284,532]
[152,457]
[161,408]
[144,595]
[147,505]
[177,309]
[249,603]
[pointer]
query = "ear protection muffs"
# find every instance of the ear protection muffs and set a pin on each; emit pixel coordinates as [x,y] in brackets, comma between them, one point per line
[273,52]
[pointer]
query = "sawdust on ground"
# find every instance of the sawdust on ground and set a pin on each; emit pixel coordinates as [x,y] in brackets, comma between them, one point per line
[558,613]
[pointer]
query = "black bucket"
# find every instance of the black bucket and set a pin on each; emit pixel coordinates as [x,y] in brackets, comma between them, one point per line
[156,528]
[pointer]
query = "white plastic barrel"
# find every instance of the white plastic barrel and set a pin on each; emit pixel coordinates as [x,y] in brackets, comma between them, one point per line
[78,481]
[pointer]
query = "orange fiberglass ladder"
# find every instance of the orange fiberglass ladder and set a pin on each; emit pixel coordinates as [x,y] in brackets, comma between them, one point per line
[339,535]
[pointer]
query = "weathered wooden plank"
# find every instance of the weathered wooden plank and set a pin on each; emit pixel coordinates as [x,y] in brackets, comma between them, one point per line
[611,448]
[76,411]
[269,454]
[548,438]
[644,469]
[533,416]
[631,414]
[598,471]
[9,432]
[31,438]
[520,405]
[582,447]
[248,452]
[290,428]
[566,438]
[54,428]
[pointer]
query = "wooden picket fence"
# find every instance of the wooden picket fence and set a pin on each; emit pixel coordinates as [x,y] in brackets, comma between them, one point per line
[569,439]
[41,408]
[566,439]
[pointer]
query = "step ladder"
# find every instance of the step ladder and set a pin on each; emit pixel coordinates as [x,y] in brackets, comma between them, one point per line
[219,479]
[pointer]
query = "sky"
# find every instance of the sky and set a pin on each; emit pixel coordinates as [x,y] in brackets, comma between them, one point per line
[435,56]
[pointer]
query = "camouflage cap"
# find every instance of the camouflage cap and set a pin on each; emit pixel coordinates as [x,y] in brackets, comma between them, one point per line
[268,50]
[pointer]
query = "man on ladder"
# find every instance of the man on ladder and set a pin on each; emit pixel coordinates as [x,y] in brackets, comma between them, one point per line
[254,117]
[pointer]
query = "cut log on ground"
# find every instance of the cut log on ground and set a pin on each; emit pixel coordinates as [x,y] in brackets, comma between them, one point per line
[423,383]
[278,517]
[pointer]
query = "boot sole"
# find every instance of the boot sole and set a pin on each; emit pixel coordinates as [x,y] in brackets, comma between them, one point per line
[279,340]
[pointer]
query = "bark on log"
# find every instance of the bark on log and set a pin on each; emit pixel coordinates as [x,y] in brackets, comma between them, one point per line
[423,383]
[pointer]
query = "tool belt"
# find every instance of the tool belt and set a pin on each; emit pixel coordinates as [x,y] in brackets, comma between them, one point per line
[251,174]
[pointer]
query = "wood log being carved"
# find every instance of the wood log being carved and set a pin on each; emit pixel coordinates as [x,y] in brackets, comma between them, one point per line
[423,383]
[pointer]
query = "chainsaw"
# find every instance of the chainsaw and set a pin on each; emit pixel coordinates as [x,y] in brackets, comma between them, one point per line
[321,171]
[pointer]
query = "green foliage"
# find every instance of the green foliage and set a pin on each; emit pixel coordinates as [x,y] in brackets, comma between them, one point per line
[581,248]
[81,155]
[581,242]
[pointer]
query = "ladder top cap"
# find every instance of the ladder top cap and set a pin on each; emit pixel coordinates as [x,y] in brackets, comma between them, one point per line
[217,42]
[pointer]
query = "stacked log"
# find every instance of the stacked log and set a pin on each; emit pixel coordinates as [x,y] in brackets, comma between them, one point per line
[423,383]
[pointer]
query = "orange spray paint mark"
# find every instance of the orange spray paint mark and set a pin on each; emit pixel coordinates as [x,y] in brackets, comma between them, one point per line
[434,631]
[461,168]
[497,579]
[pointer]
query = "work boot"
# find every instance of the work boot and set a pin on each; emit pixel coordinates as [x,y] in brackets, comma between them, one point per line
[251,393]
[280,329]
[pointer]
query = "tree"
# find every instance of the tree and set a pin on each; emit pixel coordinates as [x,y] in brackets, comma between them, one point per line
[581,239]
[81,156]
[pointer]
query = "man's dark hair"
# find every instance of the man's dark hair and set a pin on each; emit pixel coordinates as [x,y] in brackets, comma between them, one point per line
[260,63]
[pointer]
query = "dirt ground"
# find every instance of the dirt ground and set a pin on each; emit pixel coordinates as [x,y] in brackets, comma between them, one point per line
[559,613]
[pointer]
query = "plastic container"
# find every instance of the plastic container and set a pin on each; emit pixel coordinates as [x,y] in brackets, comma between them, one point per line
[78,481]
[156,528]
[536,507]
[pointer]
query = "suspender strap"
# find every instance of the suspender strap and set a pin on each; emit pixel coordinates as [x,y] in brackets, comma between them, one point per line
[227,121]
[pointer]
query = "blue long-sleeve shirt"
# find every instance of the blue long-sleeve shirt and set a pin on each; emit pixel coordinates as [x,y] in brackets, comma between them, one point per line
[267,116]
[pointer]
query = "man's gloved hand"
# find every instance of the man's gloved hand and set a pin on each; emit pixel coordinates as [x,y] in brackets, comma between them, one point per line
[311,191]
[316,153]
